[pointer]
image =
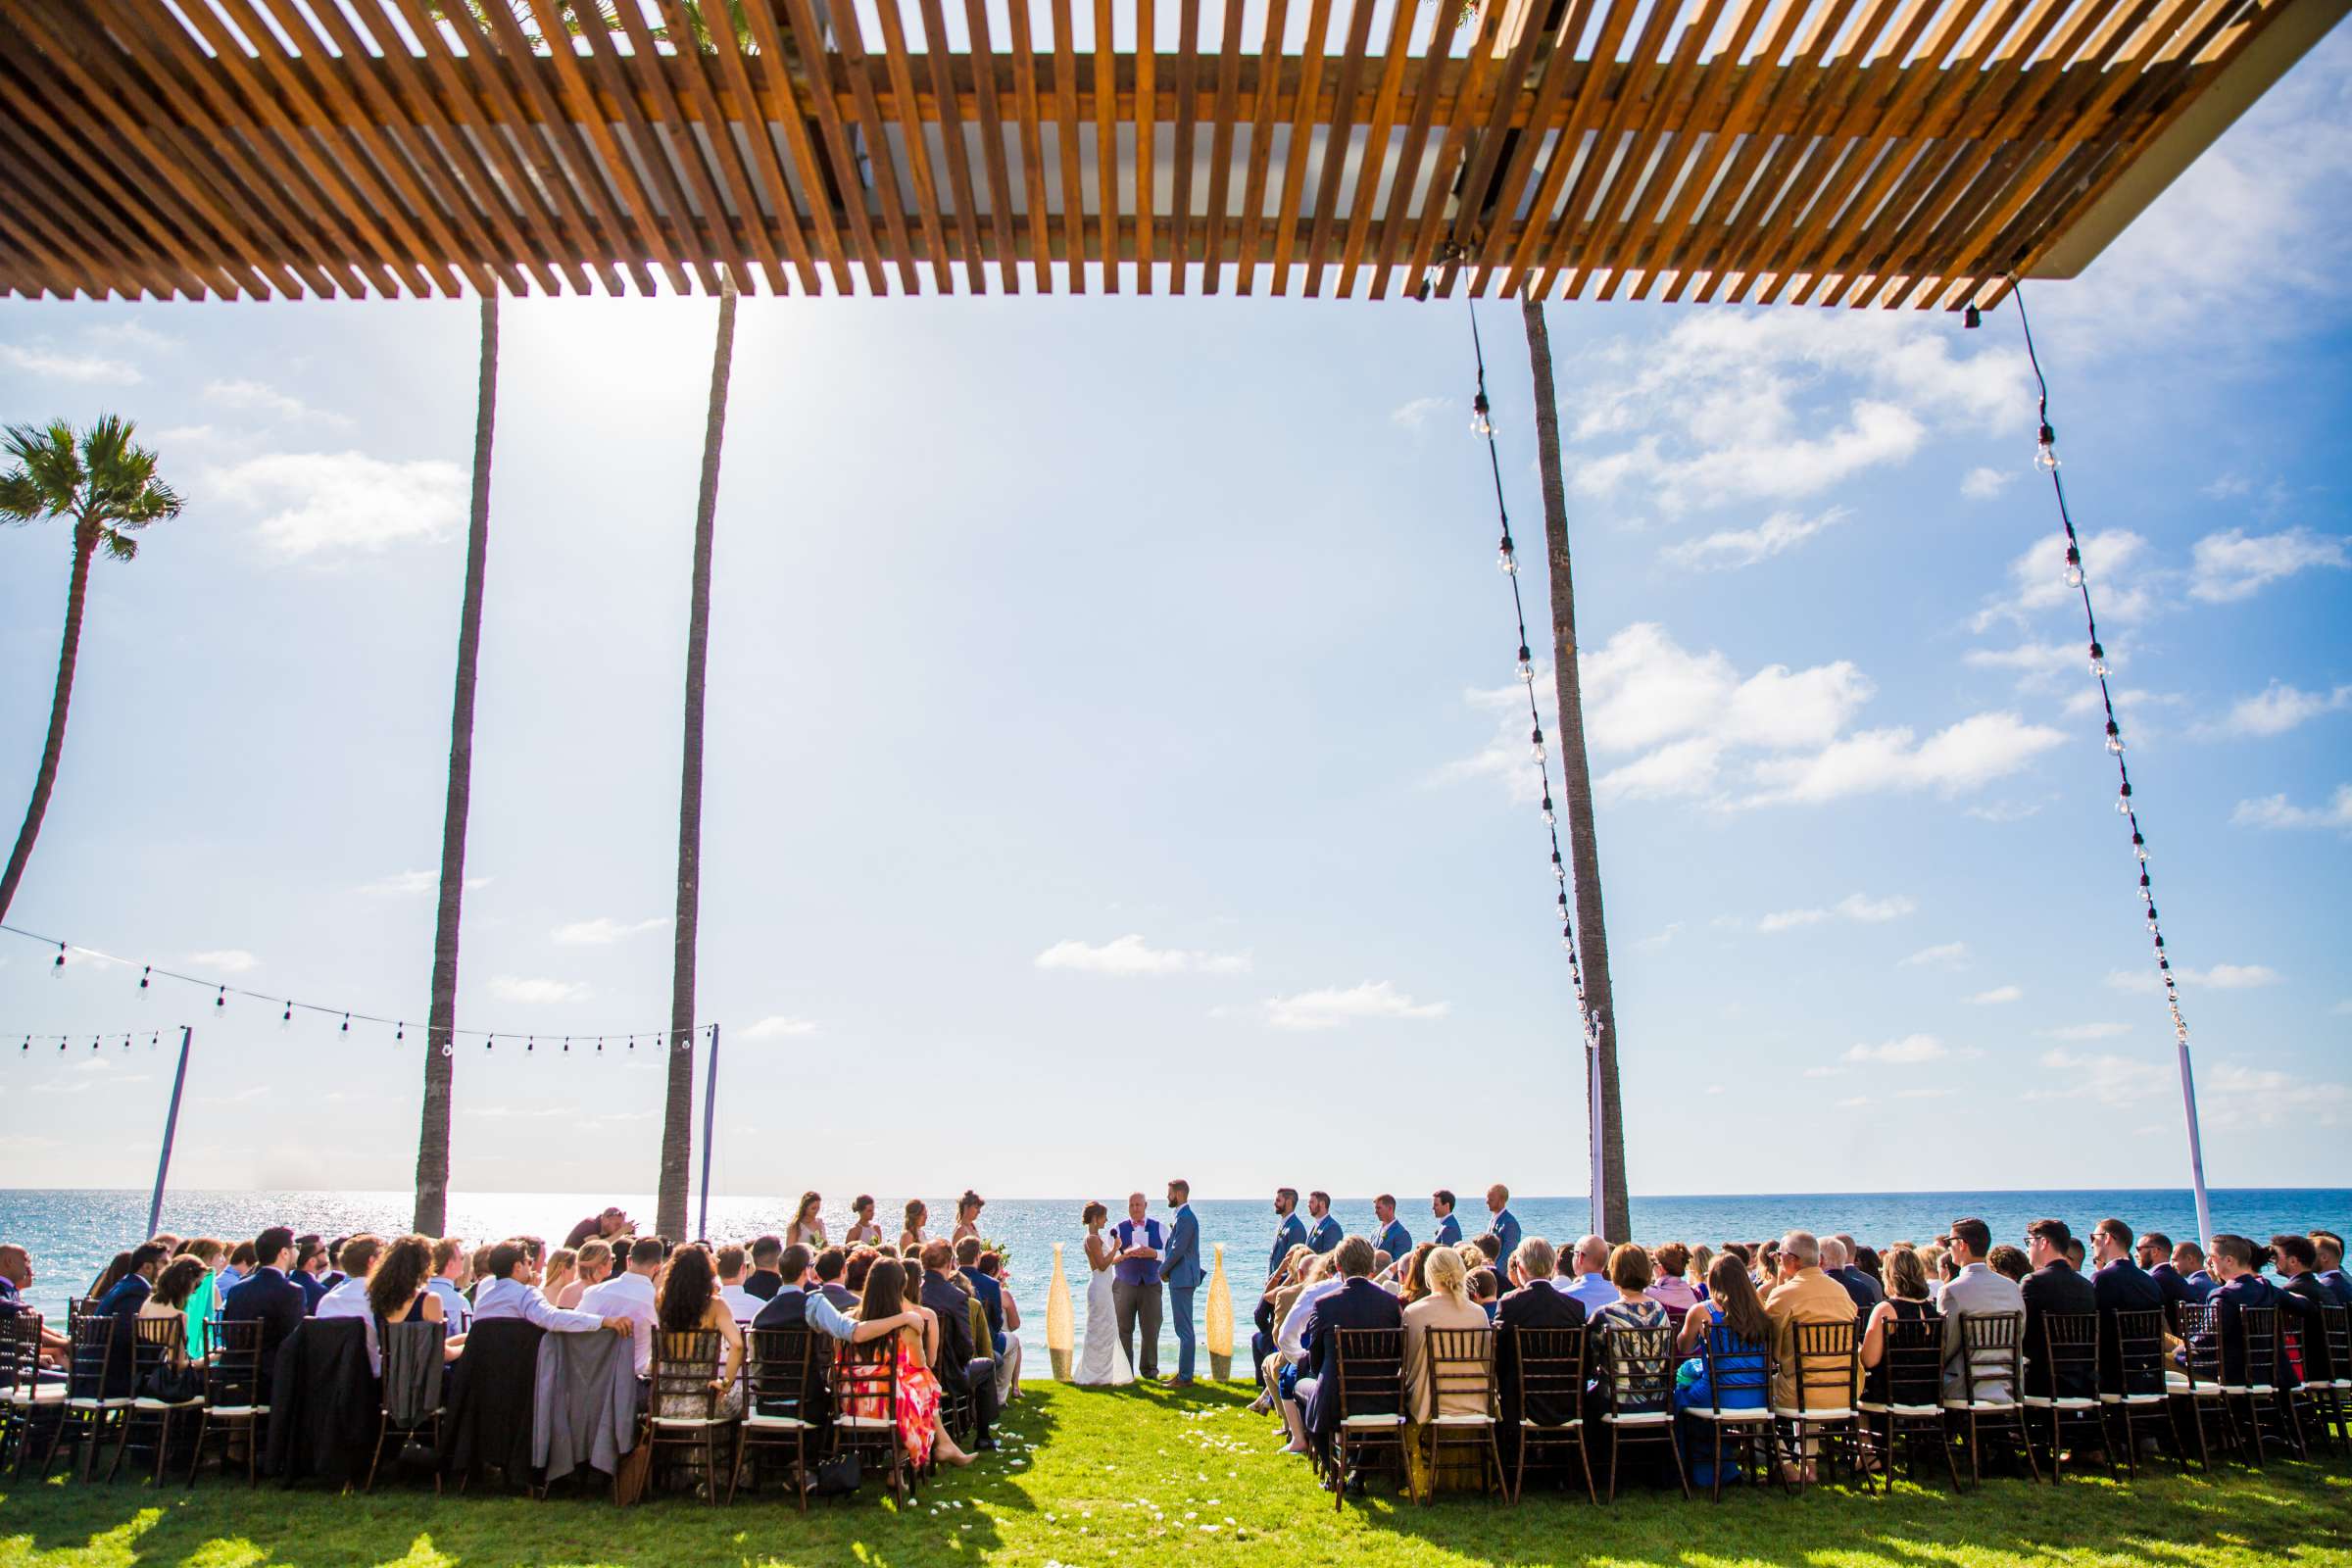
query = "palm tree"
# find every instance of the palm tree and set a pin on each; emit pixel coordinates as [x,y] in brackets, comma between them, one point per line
[440,1044]
[1576,776]
[109,489]
[677,1108]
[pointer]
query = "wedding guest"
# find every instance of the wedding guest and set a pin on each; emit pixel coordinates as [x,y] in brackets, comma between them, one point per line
[1630,1275]
[1289,1229]
[1730,1326]
[1483,1251]
[1008,1354]
[1702,1259]
[830,1266]
[2328,1248]
[917,1216]
[1531,1303]
[1357,1303]
[562,1269]
[1501,1223]
[1412,1280]
[1447,1305]
[174,1282]
[1975,1288]
[1906,1301]
[1591,1288]
[989,1294]
[2010,1262]
[968,1217]
[1872,1266]
[1671,1288]
[1837,1261]
[763,1281]
[355,1260]
[862,1231]
[2242,1287]
[2297,1262]
[1449,1229]
[397,1291]
[686,1300]
[109,1277]
[2196,1278]
[1388,1233]
[808,1227]
[593,1267]
[449,1282]
[309,1269]
[961,1365]
[630,1295]
[270,1298]
[15,1276]
[1297,1307]
[131,1290]
[1804,1295]
[1485,1291]
[1324,1234]
[915,1414]
[503,1291]
[733,1262]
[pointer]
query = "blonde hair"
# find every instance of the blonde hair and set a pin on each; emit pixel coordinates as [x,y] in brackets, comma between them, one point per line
[1445,1274]
[1700,1256]
[1906,1274]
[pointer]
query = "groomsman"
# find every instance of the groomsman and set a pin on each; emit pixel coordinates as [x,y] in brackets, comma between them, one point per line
[1500,1220]
[1392,1237]
[1290,1232]
[1449,1229]
[1324,1234]
[1180,1270]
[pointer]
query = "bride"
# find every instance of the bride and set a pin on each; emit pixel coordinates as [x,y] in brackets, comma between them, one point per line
[1104,1361]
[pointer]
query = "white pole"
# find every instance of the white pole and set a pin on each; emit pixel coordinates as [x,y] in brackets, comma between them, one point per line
[1592,1118]
[2196,1150]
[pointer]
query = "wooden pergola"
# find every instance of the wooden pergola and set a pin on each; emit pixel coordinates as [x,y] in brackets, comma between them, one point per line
[1853,152]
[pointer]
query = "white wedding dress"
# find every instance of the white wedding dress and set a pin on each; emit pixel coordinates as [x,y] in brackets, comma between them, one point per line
[1103,1360]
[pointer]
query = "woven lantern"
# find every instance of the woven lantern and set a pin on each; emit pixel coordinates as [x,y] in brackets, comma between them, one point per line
[1220,1319]
[1060,1330]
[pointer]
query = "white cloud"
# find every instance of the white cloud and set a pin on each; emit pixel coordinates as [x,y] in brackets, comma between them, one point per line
[410,884]
[1908,1051]
[259,397]
[2229,566]
[1959,757]
[2088,1031]
[2272,811]
[2279,708]
[1332,1007]
[777,1026]
[1658,941]
[2221,977]
[1415,414]
[224,960]
[1854,1103]
[1129,955]
[1983,484]
[2115,560]
[1997,996]
[132,333]
[2107,1078]
[1732,548]
[1924,1093]
[1943,955]
[62,367]
[1853,907]
[601,932]
[1825,1072]
[2038,667]
[323,501]
[519,988]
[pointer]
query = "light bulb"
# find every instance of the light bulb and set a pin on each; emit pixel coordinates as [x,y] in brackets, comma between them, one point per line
[1527,665]
[1549,820]
[1480,424]
[2045,460]
[1559,874]
[2122,805]
[1507,559]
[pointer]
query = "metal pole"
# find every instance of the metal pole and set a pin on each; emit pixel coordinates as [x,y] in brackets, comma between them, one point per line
[710,1110]
[1592,1115]
[179,1078]
[2196,1151]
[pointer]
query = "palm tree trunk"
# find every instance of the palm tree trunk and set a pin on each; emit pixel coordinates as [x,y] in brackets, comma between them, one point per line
[677,1108]
[85,546]
[1575,777]
[440,1043]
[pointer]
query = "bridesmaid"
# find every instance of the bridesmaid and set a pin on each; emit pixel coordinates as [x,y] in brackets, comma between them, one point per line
[808,1227]
[967,1215]
[862,1231]
[913,1235]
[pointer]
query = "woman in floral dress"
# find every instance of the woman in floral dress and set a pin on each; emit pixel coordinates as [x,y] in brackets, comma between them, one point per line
[916,1414]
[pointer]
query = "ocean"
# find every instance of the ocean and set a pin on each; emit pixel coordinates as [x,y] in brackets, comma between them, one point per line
[71,1233]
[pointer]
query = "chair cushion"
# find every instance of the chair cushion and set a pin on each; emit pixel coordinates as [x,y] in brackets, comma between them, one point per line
[1759,1413]
[41,1393]
[238,1411]
[1872,1407]
[863,1423]
[2246,1390]
[144,1402]
[1980,1406]
[692,1420]
[2043,1401]
[1551,1426]
[1372,1420]
[1638,1418]
[785,1423]
[1463,1421]
[2130,1398]
[1790,1412]
[82,1404]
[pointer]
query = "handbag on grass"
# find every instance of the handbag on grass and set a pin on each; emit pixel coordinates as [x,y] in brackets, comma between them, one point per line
[839,1476]
[629,1478]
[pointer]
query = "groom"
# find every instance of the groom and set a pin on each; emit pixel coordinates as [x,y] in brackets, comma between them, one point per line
[1135,1284]
[1180,1268]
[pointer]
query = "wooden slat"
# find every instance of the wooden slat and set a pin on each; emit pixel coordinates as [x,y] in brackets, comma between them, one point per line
[49,231]
[954,151]
[1187,144]
[120,259]
[1302,121]
[1333,174]
[809,40]
[1443,21]
[1262,153]
[716,147]
[1376,143]
[1106,146]
[1221,145]
[1036,223]
[1634,170]
[667,145]
[849,43]
[1497,235]
[729,48]
[807,161]
[1146,121]
[1461,127]
[918,147]
[1073,168]
[1001,204]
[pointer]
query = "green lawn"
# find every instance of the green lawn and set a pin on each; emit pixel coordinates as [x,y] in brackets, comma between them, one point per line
[1139,1476]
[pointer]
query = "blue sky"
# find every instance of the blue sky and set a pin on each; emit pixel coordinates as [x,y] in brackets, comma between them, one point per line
[1111,765]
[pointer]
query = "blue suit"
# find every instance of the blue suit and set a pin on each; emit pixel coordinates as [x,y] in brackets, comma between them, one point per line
[1506,1227]
[1180,1269]
[1325,1235]
[1292,1232]
[1394,1240]
[1450,1232]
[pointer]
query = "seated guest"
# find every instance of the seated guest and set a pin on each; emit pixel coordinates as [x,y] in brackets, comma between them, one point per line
[853,1273]
[1976,1289]
[15,1276]
[1412,1274]
[129,1292]
[1447,1305]
[2053,1288]
[1591,1288]
[1449,1229]
[449,1282]
[1388,1233]
[1483,1251]
[1730,1327]
[1501,1223]
[630,1295]
[109,1277]
[829,1266]
[501,1293]
[961,1365]
[2010,1262]
[477,1269]
[1838,1262]
[174,1282]
[1872,1265]
[397,1291]
[271,1298]
[1804,1295]
[2242,1288]
[2119,1286]
[1486,1292]
[1357,1303]
[1009,1352]
[2188,1261]
[795,1305]
[1668,1289]
[356,1257]
[1293,1304]
[335,1273]
[309,1269]
[990,1295]
[732,1262]
[686,1300]
[1630,1273]
[2329,1247]
[765,1281]
[2297,1262]
[1531,1303]
[1906,1302]
[593,1267]
[922,1436]
[1694,1272]
[2074,1253]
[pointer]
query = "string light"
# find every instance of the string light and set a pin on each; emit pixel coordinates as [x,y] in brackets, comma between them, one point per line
[1484,426]
[2045,457]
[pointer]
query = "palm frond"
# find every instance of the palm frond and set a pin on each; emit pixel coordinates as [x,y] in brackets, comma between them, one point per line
[100,478]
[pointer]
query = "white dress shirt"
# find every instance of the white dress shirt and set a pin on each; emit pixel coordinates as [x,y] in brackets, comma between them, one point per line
[350,1300]
[1296,1324]
[508,1298]
[629,1296]
[740,1301]
[1594,1291]
[455,1310]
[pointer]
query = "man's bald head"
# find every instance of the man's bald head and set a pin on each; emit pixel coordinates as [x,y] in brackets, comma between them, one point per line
[1592,1255]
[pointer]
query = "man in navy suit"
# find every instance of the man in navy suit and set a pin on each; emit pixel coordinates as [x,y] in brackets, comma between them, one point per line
[2297,1261]
[2119,1286]
[2328,1248]
[270,1298]
[1502,1222]
[1532,1304]
[310,1270]
[1449,1229]
[1357,1303]
[989,1292]
[2155,1253]
[1181,1272]
[2242,1287]
[1392,1238]
[1325,1233]
[1289,1231]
